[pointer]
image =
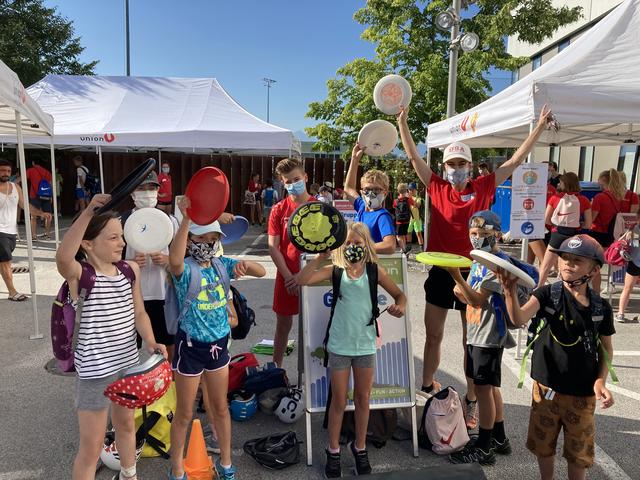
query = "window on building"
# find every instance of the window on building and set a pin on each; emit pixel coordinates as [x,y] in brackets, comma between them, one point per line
[515,76]
[564,44]
[536,62]
[628,163]
[554,155]
[585,167]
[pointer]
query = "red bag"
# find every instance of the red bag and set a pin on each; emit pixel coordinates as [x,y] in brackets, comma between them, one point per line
[238,369]
[618,253]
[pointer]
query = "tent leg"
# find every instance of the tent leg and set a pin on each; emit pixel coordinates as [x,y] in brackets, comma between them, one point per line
[55,195]
[101,169]
[27,223]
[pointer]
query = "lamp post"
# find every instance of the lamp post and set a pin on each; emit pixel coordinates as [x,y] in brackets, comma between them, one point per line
[267,83]
[126,37]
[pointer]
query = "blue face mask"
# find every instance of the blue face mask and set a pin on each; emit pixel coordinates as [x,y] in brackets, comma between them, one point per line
[457,176]
[296,188]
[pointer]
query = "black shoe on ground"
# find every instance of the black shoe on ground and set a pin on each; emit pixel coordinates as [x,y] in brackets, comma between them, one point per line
[332,469]
[362,460]
[503,448]
[471,454]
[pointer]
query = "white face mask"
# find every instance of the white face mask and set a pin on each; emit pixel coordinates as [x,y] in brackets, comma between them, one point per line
[145,198]
[166,169]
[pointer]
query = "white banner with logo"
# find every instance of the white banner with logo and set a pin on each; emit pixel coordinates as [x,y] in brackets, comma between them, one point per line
[528,200]
[345,207]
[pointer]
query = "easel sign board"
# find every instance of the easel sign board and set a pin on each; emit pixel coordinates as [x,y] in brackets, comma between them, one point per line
[345,207]
[528,201]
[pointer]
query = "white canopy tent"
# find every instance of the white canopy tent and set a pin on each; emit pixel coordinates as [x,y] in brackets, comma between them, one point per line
[591,87]
[20,115]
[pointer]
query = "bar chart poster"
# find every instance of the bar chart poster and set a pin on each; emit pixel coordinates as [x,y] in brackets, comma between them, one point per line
[393,380]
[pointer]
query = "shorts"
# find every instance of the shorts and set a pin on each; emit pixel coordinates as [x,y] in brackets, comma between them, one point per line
[44,205]
[438,289]
[415,226]
[602,238]
[90,392]
[7,246]
[556,239]
[402,228]
[344,362]
[192,360]
[575,415]
[283,303]
[633,269]
[155,310]
[80,193]
[484,365]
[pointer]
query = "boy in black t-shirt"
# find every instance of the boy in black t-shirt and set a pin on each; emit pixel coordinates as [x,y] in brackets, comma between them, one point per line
[568,365]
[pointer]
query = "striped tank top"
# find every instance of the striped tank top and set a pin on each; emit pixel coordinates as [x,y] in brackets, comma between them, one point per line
[107,334]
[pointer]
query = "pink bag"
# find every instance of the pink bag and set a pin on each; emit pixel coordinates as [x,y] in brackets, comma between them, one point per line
[443,429]
[618,253]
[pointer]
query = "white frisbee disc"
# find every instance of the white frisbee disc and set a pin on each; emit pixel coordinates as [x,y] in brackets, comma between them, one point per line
[493,262]
[378,138]
[390,93]
[148,230]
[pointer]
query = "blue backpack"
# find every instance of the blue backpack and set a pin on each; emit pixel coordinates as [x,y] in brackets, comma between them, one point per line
[45,191]
[173,315]
[268,197]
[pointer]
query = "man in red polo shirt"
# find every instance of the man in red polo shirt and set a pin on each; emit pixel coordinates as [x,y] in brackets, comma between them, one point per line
[454,199]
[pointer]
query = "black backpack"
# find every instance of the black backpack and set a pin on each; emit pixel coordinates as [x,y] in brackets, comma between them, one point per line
[274,452]
[380,429]
[246,316]
[403,212]
[92,182]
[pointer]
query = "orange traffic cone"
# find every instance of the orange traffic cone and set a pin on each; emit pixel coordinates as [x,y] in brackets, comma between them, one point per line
[198,464]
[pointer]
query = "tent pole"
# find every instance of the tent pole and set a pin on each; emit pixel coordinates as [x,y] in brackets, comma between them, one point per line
[55,194]
[27,223]
[101,169]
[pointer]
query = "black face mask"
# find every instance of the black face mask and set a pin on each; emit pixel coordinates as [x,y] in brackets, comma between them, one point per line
[577,282]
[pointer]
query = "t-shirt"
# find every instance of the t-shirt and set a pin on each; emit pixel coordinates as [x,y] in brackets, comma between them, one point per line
[34,176]
[81,173]
[253,186]
[484,328]
[416,204]
[165,193]
[350,333]
[607,207]
[278,220]
[409,202]
[379,221]
[451,211]
[269,197]
[555,199]
[207,319]
[560,360]
[551,191]
[630,199]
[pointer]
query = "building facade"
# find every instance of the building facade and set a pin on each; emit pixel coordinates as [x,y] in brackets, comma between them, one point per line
[587,162]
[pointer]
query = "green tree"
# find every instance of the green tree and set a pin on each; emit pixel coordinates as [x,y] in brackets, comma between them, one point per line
[36,41]
[408,43]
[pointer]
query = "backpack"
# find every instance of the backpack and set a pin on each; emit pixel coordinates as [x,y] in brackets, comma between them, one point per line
[380,429]
[173,315]
[45,191]
[156,428]
[540,322]
[246,315]
[274,452]
[403,211]
[567,212]
[442,427]
[268,197]
[65,315]
[336,279]
[238,369]
[617,222]
[91,182]
[259,380]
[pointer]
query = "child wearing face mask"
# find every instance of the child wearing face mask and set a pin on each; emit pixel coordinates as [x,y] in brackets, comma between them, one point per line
[487,337]
[165,193]
[352,332]
[201,340]
[369,202]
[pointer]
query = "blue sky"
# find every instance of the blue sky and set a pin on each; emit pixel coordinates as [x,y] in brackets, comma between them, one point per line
[298,43]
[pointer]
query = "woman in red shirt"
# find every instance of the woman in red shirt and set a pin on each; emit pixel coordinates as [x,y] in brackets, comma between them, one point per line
[565,221]
[256,207]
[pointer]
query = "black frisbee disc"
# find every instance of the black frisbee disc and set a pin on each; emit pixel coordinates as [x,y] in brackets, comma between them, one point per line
[316,227]
[122,190]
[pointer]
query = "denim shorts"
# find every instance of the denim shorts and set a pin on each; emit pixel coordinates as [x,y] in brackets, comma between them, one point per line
[90,392]
[342,362]
[191,358]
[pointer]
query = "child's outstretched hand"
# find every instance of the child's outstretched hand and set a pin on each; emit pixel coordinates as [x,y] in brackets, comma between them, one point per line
[403,114]
[326,255]
[240,269]
[183,204]
[602,393]
[98,200]
[507,280]
[396,310]
[357,152]
[226,218]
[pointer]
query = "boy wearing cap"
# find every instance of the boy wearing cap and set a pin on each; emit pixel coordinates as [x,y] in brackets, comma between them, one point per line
[487,337]
[369,203]
[570,351]
[415,224]
[453,200]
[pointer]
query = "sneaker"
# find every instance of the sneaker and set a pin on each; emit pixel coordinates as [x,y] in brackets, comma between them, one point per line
[332,469]
[620,318]
[210,439]
[362,460]
[225,473]
[171,476]
[470,414]
[503,448]
[407,250]
[473,454]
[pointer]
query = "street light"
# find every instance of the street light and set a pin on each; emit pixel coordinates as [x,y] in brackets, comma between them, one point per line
[267,83]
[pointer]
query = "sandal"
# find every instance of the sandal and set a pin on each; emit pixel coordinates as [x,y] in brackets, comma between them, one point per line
[18,297]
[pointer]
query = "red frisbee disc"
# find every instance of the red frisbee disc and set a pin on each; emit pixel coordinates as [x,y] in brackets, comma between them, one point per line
[208,191]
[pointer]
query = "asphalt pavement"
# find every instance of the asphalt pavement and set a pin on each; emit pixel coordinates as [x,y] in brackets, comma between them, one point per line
[38,427]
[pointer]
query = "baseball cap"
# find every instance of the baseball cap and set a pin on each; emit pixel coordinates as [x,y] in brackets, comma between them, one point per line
[457,150]
[582,246]
[412,186]
[491,220]
[152,178]
[196,229]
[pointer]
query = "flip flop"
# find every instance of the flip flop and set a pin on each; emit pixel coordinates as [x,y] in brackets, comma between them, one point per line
[18,297]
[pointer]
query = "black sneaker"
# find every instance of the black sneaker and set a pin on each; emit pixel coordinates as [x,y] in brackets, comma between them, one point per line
[503,448]
[362,460]
[471,454]
[332,468]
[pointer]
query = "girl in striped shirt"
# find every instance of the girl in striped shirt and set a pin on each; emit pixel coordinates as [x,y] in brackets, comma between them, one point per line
[111,315]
